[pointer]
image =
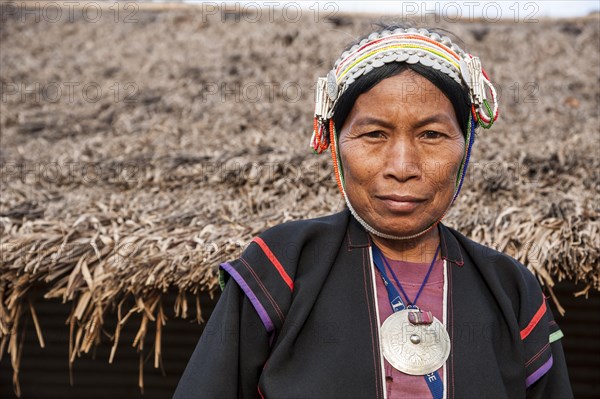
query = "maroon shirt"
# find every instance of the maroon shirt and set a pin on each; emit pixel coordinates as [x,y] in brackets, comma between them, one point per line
[411,276]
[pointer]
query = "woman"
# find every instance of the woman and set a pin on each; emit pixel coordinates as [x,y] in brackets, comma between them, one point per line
[383,300]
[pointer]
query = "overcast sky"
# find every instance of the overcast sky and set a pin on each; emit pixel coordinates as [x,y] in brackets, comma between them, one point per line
[491,10]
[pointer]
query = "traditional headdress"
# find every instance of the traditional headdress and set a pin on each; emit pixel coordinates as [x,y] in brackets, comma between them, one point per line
[401,45]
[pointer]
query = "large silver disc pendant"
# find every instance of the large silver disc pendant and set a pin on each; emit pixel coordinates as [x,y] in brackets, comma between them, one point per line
[414,349]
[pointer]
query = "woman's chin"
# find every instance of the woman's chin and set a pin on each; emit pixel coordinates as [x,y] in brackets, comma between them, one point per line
[399,228]
[402,222]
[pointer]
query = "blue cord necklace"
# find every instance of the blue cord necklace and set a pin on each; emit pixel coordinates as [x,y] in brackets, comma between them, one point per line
[418,324]
[386,281]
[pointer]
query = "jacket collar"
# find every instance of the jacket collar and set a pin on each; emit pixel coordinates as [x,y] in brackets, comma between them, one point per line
[450,248]
[357,235]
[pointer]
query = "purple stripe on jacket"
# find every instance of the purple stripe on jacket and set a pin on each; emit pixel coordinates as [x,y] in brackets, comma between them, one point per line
[536,375]
[262,313]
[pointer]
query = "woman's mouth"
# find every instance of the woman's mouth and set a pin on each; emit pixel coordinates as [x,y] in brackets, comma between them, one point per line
[400,203]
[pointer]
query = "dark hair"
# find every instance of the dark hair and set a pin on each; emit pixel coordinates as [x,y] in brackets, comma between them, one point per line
[456,94]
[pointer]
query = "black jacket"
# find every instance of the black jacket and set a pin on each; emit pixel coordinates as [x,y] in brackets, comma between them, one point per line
[298,319]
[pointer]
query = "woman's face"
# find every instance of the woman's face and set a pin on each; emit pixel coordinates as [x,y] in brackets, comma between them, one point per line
[401,148]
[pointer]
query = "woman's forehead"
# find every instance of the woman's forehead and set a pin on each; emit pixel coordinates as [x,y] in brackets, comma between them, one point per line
[406,87]
[403,95]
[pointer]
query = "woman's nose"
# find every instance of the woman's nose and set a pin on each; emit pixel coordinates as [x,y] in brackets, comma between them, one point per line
[402,161]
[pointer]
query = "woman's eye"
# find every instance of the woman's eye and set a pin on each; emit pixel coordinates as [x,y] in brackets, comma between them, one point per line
[430,134]
[376,134]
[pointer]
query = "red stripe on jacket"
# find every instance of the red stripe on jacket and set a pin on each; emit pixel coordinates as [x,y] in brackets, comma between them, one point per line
[275,262]
[536,318]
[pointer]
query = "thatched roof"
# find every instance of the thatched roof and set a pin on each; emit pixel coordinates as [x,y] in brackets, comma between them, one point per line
[125,197]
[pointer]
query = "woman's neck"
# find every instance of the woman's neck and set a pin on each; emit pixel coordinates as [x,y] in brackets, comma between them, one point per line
[418,250]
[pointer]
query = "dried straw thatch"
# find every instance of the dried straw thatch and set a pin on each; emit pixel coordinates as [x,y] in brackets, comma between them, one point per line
[199,140]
